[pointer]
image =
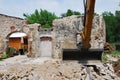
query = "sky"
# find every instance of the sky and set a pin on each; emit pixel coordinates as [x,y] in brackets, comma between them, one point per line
[18,7]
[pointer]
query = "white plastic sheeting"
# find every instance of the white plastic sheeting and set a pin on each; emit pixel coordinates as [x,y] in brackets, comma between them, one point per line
[18,34]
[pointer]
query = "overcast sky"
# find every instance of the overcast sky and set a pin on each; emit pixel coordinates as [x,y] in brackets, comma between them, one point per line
[18,7]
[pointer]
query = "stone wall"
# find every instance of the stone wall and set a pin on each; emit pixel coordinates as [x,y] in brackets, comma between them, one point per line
[33,38]
[63,34]
[66,29]
[10,24]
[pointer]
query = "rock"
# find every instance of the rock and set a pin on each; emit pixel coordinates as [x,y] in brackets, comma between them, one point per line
[116,67]
[36,77]
[108,47]
[30,77]
[110,58]
[54,70]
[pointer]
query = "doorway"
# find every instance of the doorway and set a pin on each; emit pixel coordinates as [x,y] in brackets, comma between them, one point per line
[17,43]
[46,46]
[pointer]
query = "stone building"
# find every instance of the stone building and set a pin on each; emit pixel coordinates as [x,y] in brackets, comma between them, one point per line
[10,25]
[51,42]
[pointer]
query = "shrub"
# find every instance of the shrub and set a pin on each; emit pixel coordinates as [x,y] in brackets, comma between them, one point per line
[3,56]
[10,51]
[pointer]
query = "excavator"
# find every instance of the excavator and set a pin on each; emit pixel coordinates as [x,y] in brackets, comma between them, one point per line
[83,53]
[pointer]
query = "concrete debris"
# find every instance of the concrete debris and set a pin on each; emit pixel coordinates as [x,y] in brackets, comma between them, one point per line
[53,70]
[108,47]
[116,66]
[111,58]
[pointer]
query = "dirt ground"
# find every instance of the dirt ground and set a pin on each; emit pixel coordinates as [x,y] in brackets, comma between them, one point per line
[116,66]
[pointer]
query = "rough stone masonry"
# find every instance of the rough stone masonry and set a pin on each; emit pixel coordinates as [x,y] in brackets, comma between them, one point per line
[10,24]
[63,35]
[65,32]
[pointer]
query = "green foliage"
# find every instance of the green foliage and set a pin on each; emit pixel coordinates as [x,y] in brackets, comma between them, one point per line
[109,18]
[115,54]
[10,51]
[42,17]
[76,13]
[112,26]
[46,26]
[104,57]
[3,56]
[70,12]
[95,14]
[25,49]
[117,25]
[63,15]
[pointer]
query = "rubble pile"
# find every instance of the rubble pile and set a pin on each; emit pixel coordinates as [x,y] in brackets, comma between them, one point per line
[108,47]
[116,66]
[54,70]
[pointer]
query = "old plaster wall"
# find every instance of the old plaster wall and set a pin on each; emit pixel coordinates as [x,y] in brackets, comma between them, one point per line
[66,29]
[45,42]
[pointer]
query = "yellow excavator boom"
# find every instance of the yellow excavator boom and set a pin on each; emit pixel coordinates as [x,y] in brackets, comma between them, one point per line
[86,34]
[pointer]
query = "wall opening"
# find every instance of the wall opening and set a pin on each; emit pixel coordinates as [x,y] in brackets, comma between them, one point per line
[45,46]
[17,43]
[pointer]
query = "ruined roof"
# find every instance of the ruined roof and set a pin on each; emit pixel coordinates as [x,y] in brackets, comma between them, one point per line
[11,16]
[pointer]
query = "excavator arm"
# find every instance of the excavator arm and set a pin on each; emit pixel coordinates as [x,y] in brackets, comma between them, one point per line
[86,34]
[83,53]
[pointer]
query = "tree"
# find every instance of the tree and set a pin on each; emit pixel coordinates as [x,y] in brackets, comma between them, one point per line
[42,17]
[76,13]
[117,31]
[95,14]
[70,13]
[63,15]
[109,20]
[112,26]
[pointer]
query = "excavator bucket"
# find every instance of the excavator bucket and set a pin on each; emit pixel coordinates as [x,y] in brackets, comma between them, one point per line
[83,56]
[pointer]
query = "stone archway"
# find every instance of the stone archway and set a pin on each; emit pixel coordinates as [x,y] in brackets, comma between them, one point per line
[18,41]
[11,25]
[33,39]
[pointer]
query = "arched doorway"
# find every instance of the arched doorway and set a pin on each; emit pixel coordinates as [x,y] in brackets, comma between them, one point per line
[17,43]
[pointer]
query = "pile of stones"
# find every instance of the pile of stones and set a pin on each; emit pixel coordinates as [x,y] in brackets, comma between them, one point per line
[54,70]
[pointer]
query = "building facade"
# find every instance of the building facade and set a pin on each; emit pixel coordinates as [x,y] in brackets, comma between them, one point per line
[51,42]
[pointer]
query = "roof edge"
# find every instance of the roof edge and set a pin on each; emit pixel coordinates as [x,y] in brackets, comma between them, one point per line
[11,16]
